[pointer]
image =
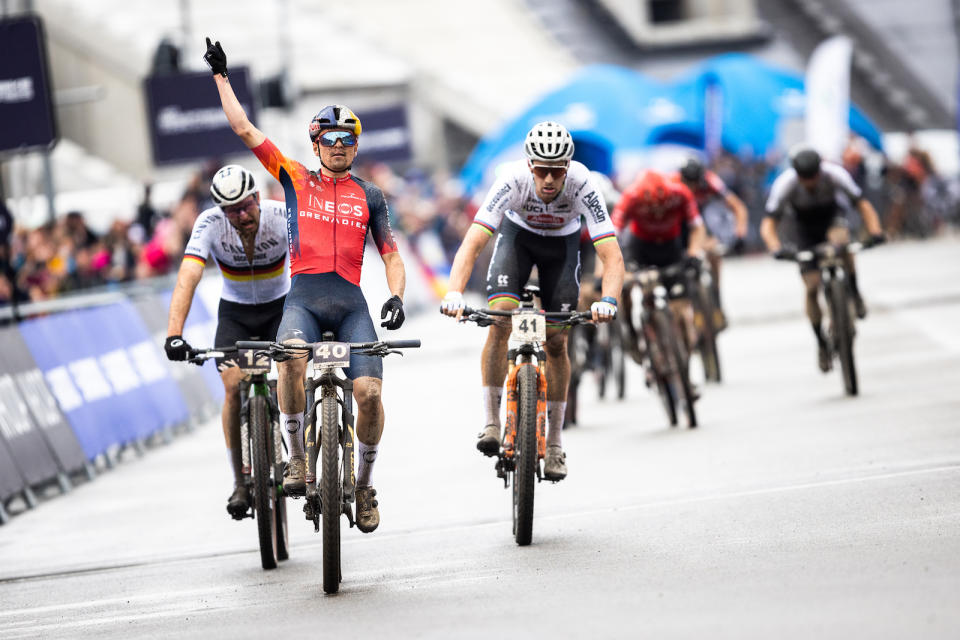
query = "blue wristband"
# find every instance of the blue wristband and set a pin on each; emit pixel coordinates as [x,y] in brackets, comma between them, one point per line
[609,299]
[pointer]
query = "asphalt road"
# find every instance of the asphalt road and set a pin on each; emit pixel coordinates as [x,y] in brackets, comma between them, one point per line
[792,512]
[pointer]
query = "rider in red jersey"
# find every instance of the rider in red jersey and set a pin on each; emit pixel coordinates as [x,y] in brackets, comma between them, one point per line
[328,214]
[707,186]
[649,218]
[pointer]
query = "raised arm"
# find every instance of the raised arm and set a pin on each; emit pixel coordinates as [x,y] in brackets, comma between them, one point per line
[236,116]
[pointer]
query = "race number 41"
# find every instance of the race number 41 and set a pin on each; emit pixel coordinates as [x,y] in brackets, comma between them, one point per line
[331,354]
[529,327]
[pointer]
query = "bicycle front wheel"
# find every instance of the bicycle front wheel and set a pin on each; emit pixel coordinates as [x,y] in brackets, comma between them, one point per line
[679,377]
[331,491]
[708,337]
[264,487]
[525,474]
[842,327]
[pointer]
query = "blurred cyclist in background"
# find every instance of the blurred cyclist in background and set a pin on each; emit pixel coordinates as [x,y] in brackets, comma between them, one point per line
[707,186]
[811,190]
[329,213]
[247,238]
[534,209]
[650,218]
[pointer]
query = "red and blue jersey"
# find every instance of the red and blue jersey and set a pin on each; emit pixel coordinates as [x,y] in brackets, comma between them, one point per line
[328,218]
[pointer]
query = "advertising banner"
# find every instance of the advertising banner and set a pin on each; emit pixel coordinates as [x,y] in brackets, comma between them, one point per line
[828,97]
[385,136]
[147,379]
[187,377]
[89,378]
[52,430]
[11,482]
[23,438]
[25,87]
[186,119]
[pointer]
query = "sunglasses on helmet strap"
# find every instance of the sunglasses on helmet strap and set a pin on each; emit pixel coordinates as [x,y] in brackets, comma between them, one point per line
[329,138]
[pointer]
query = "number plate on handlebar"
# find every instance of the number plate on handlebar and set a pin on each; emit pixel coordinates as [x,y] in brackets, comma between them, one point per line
[529,327]
[327,355]
[252,362]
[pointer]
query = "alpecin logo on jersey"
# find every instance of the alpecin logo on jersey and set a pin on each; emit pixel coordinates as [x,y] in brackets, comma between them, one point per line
[498,196]
[592,200]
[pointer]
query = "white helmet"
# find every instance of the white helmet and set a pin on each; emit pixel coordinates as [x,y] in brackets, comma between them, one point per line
[231,184]
[548,142]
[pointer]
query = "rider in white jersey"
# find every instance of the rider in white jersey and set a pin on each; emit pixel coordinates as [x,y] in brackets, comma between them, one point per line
[265,278]
[514,196]
[534,209]
[247,238]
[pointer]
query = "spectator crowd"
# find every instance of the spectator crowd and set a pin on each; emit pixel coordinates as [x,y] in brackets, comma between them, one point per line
[65,255]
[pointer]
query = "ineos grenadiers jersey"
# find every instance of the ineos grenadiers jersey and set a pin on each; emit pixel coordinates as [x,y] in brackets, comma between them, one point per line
[514,195]
[263,280]
[812,206]
[328,218]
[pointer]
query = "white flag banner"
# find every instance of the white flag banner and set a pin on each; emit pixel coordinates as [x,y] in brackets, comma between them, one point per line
[828,97]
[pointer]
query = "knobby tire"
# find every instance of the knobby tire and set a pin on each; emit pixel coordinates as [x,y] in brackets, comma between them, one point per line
[264,488]
[280,499]
[525,475]
[680,383]
[841,322]
[330,491]
[708,341]
[661,373]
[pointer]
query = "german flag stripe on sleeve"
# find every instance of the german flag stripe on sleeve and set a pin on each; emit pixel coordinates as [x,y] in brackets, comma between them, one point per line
[190,256]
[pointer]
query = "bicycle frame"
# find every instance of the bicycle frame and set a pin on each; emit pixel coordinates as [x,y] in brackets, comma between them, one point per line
[522,356]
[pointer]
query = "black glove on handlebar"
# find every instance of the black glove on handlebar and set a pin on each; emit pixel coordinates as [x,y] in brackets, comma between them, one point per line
[785,253]
[177,348]
[394,308]
[215,58]
[874,240]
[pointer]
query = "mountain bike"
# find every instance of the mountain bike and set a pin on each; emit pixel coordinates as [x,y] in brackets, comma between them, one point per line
[524,439]
[261,446]
[665,355]
[835,288]
[598,349]
[706,315]
[331,437]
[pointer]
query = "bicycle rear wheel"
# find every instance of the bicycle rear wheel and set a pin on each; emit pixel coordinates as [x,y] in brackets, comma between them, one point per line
[617,359]
[264,486]
[679,376]
[841,323]
[708,336]
[525,474]
[330,490]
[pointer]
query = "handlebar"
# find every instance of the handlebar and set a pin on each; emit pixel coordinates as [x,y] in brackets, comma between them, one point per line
[281,352]
[484,317]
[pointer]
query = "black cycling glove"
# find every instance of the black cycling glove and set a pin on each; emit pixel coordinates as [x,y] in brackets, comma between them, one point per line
[177,348]
[785,253]
[874,240]
[393,310]
[215,58]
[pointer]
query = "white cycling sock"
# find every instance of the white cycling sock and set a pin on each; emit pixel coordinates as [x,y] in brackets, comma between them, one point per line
[293,423]
[368,455]
[555,414]
[491,405]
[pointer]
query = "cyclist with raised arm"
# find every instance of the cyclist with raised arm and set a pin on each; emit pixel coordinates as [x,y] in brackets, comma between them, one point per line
[246,237]
[650,217]
[329,214]
[813,190]
[706,186]
[534,210]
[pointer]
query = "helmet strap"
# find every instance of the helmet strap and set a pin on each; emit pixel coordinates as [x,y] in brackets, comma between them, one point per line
[323,164]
